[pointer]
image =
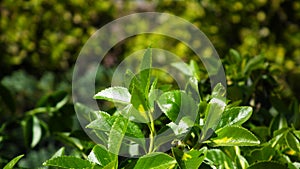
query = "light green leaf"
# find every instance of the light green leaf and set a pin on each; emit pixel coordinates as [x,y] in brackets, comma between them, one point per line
[176,103]
[183,67]
[217,158]
[267,164]
[32,131]
[235,116]
[182,127]
[116,135]
[292,141]
[153,94]
[114,94]
[213,112]
[36,132]
[195,69]
[235,55]
[234,136]
[59,152]
[100,155]
[103,122]
[13,162]
[68,162]
[156,160]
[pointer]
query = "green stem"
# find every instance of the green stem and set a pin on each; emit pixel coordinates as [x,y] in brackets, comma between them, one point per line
[152,132]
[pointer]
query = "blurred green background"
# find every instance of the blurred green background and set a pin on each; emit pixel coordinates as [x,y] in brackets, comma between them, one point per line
[40,41]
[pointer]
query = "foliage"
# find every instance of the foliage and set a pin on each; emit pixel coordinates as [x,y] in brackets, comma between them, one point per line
[256,126]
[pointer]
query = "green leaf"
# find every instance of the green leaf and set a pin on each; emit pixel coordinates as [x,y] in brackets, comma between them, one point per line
[116,135]
[235,116]
[292,141]
[145,71]
[195,69]
[103,122]
[182,127]
[13,162]
[192,89]
[265,153]
[140,103]
[32,131]
[100,155]
[234,136]
[68,162]
[191,159]
[153,94]
[254,63]
[7,97]
[277,123]
[217,158]
[156,160]
[213,111]
[235,55]
[267,164]
[59,152]
[176,103]
[114,94]
[36,131]
[297,133]
[183,67]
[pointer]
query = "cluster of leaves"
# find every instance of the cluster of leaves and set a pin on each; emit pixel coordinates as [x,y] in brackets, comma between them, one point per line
[208,135]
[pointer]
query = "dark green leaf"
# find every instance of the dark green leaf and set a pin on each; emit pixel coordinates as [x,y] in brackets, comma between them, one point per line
[145,71]
[155,160]
[13,162]
[140,102]
[265,153]
[292,141]
[254,63]
[234,136]
[278,122]
[7,97]
[267,164]
[191,159]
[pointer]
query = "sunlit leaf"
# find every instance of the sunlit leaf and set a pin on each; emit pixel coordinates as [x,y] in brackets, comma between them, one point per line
[235,116]
[155,160]
[234,136]
[68,162]
[13,162]
[114,94]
